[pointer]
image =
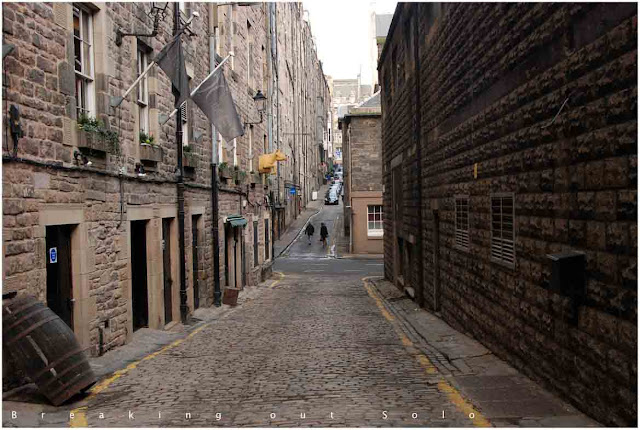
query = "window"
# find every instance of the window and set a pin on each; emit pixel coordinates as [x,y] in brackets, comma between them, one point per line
[255,244]
[83,64]
[249,56]
[374,221]
[185,8]
[251,149]
[502,230]
[143,93]
[266,239]
[462,222]
[235,152]
[232,42]
[184,118]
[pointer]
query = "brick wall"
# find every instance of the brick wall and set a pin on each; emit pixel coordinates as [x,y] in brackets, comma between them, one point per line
[543,97]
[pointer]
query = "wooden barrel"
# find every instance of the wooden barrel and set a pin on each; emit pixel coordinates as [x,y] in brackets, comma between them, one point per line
[45,349]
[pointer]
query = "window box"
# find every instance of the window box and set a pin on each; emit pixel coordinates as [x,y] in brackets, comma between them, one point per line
[150,152]
[224,171]
[255,178]
[189,159]
[94,142]
[240,176]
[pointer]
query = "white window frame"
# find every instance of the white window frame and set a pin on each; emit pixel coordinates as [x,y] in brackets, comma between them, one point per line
[143,92]
[249,55]
[84,78]
[462,222]
[375,232]
[184,117]
[503,249]
[235,152]
[250,149]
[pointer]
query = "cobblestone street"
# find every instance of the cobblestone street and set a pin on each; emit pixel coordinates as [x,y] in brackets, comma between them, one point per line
[325,342]
[317,346]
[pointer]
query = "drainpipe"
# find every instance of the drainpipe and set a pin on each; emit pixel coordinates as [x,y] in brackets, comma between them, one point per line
[215,236]
[418,140]
[184,308]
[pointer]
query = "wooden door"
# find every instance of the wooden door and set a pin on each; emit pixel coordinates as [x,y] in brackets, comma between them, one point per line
[59,285]
[166,264]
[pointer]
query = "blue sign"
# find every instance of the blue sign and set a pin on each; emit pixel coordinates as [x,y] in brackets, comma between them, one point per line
[53,255]
[292,191]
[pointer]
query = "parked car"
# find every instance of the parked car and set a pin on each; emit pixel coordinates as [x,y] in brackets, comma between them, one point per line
[332,198]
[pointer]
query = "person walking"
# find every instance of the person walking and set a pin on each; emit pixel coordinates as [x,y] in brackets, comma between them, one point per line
[309,231]
[324,233]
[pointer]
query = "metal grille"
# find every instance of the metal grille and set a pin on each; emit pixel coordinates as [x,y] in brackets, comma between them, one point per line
[462,222]
[502,230]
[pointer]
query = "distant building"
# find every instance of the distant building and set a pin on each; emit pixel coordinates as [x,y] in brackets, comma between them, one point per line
[378,29]
[345,93]
[362,160]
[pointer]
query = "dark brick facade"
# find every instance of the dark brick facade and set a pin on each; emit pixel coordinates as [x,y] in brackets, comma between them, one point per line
[538,100]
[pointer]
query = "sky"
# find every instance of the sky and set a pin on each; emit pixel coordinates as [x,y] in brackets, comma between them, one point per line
[341,32]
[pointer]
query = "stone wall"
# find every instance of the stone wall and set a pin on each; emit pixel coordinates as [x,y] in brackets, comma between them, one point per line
[44,185]
[539,100]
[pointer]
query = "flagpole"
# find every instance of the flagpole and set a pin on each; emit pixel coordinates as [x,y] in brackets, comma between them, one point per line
[199,85]
[142,75]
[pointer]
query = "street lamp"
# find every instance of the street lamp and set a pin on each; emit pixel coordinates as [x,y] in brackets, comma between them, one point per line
[261,101]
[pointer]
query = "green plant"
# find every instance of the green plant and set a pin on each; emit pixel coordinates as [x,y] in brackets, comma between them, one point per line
[223,165]
[186,148]
[97,127]
[143,137]
[146,138]
[241,175]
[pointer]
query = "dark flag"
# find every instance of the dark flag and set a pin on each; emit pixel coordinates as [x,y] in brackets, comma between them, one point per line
[214,99]
[171,61]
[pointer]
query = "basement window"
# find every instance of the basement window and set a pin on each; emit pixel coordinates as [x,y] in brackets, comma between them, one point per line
[502,229]
[462,222]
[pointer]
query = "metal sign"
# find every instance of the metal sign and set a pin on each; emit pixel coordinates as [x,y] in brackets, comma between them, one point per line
[53,255]
[292,191]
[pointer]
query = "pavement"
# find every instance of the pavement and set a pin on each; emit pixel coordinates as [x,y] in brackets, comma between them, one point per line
[325,343]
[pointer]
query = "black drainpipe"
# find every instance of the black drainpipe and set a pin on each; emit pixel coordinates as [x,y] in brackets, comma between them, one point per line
[184,308]
[217,294]
[418,140]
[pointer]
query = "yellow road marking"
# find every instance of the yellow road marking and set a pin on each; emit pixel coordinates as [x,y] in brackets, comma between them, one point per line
[79,418]
[274,283]
[443,386]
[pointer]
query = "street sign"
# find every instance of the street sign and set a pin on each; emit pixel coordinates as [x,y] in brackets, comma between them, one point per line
[292,191]
[53,255]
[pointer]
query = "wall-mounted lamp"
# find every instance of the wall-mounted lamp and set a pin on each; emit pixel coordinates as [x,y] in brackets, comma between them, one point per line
[81,158]
[158,9]
[261,102]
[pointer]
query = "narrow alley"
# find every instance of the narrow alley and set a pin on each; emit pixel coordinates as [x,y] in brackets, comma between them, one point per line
[318,346]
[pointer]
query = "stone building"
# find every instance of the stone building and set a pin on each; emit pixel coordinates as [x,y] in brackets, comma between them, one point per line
[509,136]
[362,163]
[301,106]
[90,208]
[345,93]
